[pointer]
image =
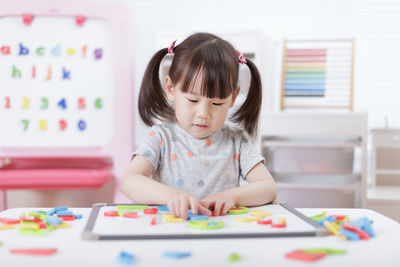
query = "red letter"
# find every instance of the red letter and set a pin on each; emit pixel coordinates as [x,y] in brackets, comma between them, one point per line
[5,50]
[33,71]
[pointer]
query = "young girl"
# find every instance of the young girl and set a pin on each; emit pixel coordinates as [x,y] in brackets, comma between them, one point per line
[194,159]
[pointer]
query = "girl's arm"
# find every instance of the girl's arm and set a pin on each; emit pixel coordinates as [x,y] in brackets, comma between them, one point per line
[260,190]
[137,186]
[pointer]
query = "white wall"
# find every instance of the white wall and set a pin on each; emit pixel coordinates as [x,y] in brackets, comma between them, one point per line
[375,25]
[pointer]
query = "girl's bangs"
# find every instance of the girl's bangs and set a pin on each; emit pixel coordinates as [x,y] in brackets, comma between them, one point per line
[215,79]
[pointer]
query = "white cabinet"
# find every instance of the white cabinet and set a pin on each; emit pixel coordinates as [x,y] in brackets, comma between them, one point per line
[386,158]
[317,159]
[384,192]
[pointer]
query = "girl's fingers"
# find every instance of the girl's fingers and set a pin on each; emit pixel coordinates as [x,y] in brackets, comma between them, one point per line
[217,207]
[194,205]
[204,210]
[221,211]
[180,207]
[205,203]
[184,208]
[177,208]
[171,207]
[203,207]
[226,209]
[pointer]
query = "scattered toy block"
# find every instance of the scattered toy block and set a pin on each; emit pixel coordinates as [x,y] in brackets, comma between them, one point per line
[234,257]
[198,217]
[64,213]
[245,219]
[339,217]
[363,235]
[328,251]
[132,215]
[269,221]
[177,255]
[150,211]
[36,251]
[9,221]
[302,256]
[7,227]
[163,208]
[132,207]
[126,258]
[168,216]
[54,220]
[238,210]
[29,226]
[62,225]
[259,214]
[173,220]
[278,224]
[111,213]
[365,224]
[32,232]
[29,219]
[206,225]
[349,234]
[67,218]
[332,228]
[54,210]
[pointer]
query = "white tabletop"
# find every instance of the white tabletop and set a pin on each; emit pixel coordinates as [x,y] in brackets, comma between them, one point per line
[74,251]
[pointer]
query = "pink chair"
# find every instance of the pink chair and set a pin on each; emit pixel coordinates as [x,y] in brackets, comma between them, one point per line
[52,173]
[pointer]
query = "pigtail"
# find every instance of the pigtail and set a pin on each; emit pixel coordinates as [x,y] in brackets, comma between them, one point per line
[247,115]
[152,102]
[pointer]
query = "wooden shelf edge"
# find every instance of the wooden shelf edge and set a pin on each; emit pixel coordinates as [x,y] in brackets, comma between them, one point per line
[383,194]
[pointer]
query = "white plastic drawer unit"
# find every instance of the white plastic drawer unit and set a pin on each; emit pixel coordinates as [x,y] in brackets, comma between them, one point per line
[314,172]
[309,156]
[317,158]
[310,160]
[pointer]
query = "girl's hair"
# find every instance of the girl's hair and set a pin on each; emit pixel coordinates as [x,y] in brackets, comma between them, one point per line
[217,63]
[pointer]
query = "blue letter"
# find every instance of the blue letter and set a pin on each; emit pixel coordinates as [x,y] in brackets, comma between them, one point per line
[23,50]
[56,51]
[66,74]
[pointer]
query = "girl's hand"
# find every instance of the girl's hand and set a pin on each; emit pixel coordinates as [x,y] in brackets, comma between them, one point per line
[180,203]
[220,202]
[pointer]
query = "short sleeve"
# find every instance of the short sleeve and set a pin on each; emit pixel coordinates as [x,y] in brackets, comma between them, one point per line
[248,156]
[150,147]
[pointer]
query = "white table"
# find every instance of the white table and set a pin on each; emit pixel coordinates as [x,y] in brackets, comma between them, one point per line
[383,250]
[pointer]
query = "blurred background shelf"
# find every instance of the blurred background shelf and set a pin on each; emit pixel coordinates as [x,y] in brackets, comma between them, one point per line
[385,158]
[384,192]
[317,159]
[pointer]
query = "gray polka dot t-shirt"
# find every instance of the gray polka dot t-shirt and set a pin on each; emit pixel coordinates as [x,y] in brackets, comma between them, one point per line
[199,167]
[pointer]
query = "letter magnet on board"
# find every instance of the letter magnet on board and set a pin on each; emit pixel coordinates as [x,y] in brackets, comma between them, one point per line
[80,20]
[27,18]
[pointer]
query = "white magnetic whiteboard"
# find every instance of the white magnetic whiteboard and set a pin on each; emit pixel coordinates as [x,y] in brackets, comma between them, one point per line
[56,82]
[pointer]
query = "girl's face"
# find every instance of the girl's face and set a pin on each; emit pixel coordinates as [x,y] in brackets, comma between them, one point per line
[198,115]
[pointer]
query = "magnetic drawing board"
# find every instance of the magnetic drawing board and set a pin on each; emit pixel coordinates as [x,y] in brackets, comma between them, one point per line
[56,82]
[101,227]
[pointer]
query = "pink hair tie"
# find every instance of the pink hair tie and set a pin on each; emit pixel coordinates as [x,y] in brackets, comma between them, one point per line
[171,47]
[241,58]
